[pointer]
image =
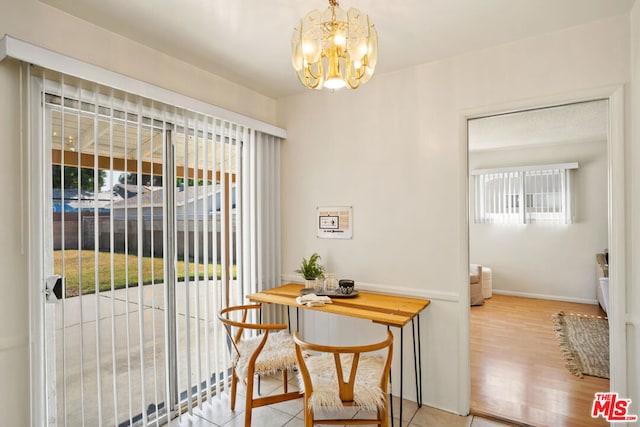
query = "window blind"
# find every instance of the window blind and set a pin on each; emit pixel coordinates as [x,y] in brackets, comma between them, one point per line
[160,217]
[524,195]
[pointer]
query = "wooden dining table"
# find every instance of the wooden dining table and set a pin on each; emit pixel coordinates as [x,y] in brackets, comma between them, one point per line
[385,309]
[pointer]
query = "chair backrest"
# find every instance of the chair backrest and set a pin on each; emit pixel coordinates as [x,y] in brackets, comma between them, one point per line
[240,324]
[475,273]
[345,384]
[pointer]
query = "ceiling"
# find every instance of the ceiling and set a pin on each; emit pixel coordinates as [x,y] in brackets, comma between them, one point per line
[572,123]
[248,41]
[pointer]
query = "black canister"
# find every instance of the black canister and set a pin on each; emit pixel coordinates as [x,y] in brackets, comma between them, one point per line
[345,286]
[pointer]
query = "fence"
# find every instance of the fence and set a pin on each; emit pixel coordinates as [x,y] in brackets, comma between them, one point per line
[125,235]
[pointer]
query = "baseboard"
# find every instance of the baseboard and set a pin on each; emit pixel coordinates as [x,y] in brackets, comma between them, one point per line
[499,419]
[544,296]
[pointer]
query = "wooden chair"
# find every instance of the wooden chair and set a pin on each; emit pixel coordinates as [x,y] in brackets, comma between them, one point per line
[322,378]
[270,350]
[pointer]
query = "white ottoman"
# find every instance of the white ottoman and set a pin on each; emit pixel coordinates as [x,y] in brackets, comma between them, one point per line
[487,286]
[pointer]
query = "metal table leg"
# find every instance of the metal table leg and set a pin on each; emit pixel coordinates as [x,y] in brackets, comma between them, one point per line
[419,373]
[401,371]
[417,365]
[390,390]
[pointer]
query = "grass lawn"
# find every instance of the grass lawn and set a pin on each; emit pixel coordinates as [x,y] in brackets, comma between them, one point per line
[84,261]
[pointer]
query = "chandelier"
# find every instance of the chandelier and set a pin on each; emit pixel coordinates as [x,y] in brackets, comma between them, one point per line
[335,48]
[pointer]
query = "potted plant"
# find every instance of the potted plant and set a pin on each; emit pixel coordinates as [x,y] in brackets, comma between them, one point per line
[311,269]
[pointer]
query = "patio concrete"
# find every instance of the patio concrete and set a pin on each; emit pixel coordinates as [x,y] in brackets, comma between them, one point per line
[116,395]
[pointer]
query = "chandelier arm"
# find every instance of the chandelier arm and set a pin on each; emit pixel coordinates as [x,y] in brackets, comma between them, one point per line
[355,79]
[355,85]
[309,71]
[356,73]
[309,85]
[308,75]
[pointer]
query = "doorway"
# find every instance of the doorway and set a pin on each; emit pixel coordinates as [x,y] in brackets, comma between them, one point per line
[560,257]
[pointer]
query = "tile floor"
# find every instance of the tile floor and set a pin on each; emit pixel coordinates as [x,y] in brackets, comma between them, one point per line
[216,413]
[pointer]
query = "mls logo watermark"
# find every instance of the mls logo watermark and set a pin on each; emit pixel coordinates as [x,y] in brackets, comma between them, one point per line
[612,408]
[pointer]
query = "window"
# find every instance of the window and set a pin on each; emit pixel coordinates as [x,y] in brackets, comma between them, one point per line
[524,195]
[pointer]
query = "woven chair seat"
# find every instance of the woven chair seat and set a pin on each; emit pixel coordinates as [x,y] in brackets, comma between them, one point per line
[324,379]
[278,353]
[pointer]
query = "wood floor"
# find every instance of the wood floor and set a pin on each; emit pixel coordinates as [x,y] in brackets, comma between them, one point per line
[517,368]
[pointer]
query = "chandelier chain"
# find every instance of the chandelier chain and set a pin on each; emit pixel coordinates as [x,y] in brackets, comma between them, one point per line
[334,3]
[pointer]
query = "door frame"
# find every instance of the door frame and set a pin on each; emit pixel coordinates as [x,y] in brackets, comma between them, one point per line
[36,161]
[616,228]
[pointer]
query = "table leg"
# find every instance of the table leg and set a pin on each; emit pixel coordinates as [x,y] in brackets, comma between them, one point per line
[415,360]
[419,364]
[401,371]
[390,390]
[417,370]
[297,319]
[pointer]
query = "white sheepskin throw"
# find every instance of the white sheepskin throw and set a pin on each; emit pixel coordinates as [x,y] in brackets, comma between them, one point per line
[322,369]
[278,353]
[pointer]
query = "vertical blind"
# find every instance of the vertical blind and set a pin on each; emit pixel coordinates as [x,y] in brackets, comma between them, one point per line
[524,195]
[159,217]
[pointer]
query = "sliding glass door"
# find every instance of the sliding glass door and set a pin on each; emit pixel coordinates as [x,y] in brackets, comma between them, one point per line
[142,203]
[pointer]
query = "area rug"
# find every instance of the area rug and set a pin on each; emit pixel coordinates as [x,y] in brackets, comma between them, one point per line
[584,340]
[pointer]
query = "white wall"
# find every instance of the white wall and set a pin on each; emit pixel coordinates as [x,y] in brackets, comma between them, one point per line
[543,260]
[14,308]
[392,149]
[51,28]
[42,25]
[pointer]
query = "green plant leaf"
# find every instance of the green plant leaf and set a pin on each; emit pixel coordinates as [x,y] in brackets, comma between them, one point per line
[311,268]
